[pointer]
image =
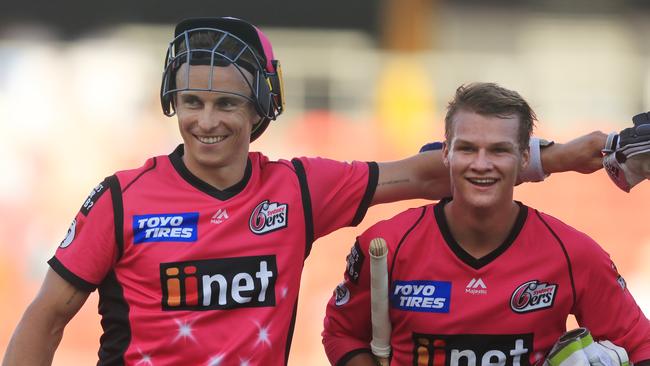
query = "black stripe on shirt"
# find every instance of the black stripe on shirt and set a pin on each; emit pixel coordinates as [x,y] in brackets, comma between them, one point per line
[392,265]
[373,178]
[566,256]
[348,356]
[115,322]
[306,204]
[290,333]
[118,213]
[72,278]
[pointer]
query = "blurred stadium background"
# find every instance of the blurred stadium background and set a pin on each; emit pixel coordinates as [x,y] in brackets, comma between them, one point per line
[366,80]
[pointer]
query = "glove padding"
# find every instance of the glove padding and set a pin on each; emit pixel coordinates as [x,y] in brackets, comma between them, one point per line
[627,154]
[577,348]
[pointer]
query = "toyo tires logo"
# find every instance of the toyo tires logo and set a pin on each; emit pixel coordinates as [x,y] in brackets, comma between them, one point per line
[268,217]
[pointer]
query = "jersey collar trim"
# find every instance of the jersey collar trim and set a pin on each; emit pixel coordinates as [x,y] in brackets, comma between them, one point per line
[176,158]
[477,263]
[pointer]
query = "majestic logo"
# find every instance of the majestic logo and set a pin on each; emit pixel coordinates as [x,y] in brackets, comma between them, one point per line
[472,349]
[354,263]
[422,296]
[93,196]
[268,217]
[476,287]
[342,294]
[227,283]
[165,227]
[219,217]
[69,237]
[533,295]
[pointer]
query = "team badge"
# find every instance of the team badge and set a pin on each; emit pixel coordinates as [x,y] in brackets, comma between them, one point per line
[268,217]
[342,294]
[533,295]
[69,237]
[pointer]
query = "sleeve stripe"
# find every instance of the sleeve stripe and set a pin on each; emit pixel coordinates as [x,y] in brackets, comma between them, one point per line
[351,354]
[75,280]
[566,256]
[118,213]
[306,205]
[373,178]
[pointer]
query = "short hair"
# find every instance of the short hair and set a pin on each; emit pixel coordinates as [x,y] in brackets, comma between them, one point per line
[490,99]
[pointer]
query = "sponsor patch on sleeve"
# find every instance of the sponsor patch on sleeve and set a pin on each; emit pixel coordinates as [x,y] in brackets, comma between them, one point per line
[69,236]
[354,263]
[342,294]
[180,227]
[93,196]
[422,296]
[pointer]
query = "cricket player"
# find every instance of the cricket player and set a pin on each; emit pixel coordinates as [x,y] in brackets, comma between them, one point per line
[480,279]
[197,255]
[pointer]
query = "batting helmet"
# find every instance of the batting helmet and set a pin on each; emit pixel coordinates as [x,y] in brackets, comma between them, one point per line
[225,41]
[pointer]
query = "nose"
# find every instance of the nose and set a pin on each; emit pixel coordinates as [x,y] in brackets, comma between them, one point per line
[208,119]
[481,161]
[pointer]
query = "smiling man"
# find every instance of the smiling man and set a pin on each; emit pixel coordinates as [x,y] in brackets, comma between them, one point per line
[480,279]
[197,255]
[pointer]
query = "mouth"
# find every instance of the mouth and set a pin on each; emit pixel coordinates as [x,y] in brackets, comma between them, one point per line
[483,182]
[210,140]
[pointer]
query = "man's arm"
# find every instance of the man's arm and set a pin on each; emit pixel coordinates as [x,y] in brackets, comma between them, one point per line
[425,175]
[40,330]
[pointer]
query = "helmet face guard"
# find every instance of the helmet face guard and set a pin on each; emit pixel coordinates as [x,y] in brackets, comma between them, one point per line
[221,42]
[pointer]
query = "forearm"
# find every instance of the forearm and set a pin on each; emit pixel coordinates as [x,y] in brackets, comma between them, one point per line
[421,176]
[582,154]
[34,341]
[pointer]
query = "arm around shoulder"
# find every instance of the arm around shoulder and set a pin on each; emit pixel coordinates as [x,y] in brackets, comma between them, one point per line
[40,330]
[420,176]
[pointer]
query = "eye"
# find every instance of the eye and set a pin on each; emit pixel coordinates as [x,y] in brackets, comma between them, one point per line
[502,150]
[465,148]
[191,101]
[230,104]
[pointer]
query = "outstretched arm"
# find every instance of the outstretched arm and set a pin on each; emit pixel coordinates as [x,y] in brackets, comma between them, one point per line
[40,330]
[425,176]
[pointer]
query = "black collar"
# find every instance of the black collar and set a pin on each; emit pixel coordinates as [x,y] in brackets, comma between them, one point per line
[176,158]
[477,263]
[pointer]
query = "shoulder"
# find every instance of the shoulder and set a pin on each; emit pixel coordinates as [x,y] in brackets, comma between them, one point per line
[574,241]
[127,176]
[394,229]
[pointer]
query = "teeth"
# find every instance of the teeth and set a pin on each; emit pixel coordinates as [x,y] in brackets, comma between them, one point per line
[482,180]
[210,139]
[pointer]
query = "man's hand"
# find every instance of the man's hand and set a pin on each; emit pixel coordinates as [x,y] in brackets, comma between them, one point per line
[582,154]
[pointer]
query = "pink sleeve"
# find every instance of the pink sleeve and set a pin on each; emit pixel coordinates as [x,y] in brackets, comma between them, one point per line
[89,250]
[340,192]
[348,328]
[605,306]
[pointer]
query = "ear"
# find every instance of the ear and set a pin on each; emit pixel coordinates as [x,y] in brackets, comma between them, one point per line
[445,154]
[525,158]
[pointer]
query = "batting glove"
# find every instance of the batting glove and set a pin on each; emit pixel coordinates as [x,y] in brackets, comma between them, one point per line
[627,154]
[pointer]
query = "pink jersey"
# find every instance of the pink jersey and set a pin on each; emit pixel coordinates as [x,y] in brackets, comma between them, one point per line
[191,275]
[507,308]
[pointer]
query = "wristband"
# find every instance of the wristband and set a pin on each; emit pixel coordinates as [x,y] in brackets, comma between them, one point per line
[534,172]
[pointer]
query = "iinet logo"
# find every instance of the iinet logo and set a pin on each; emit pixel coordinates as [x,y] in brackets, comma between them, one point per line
[219,284]
[476,287]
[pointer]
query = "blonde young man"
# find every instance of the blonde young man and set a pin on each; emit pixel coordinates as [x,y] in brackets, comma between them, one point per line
[478,278]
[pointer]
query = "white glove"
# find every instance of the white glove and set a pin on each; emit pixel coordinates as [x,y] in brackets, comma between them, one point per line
[627,154]
[577,348]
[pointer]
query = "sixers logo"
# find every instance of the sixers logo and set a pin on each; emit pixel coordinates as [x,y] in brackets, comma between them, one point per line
[532,295]
[268,217]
